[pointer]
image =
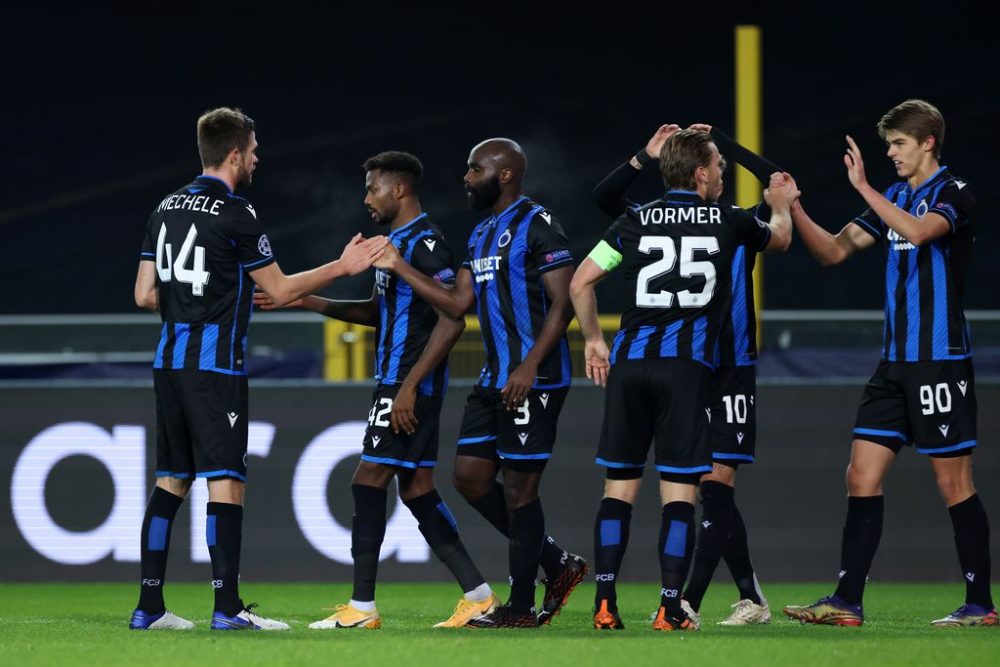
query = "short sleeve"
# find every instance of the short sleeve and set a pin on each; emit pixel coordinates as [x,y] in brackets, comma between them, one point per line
[607,254]
[870,222]
[751,230]
[547,243]
[148,250]
[954,203]
[432,256]
[247,234]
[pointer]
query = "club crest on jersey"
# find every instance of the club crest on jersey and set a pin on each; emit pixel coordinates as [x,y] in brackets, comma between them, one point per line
[430,243]
[922,208]
[504,239]
[264,245]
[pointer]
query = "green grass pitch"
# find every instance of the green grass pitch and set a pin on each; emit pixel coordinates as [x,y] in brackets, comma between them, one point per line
[85,624]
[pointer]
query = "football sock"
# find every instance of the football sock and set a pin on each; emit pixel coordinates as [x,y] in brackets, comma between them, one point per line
[441,532]
[156,524]
[972,538]
[367,533]
[676,545]
[611,529]
[493,507]
[862,532]
[480,593]
[737,556]
[713,534]
[224,533]
[527,533]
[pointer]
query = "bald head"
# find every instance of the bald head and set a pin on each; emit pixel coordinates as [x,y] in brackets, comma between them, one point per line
[502,154]
[496,169]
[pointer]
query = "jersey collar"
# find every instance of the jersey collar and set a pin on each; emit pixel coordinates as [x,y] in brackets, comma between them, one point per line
[507,211]
[685,196]
[930,179]
[217,180]
[396,232]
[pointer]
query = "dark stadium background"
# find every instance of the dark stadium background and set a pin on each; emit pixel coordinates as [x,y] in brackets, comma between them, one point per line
[99,110]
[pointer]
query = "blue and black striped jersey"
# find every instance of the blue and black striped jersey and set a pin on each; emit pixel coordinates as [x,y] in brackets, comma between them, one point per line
[679,257]
[204,239]
[405,320]
[924,286]
[508,254]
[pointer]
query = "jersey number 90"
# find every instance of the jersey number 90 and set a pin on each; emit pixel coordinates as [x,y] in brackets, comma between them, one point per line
[169,269]
[688,268]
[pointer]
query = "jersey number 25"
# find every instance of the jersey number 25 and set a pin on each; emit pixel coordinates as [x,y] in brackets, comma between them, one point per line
[688,269]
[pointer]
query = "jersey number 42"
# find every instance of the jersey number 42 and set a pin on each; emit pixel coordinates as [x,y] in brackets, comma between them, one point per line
[168,269]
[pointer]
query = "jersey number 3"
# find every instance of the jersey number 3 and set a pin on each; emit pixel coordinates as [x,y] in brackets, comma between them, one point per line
[168,269]
[688,268]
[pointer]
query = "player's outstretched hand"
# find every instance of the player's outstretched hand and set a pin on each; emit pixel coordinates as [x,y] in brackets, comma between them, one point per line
[390,256]
[781,191]
[659,138]
[855,165]
[264,302]
[360,253]
[519,383]
[597,359]
[403,417]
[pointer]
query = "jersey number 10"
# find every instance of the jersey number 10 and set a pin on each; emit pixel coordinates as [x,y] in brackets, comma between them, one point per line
[168,269]
[688,269]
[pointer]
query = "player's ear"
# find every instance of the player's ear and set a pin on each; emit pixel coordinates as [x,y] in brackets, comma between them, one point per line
[929,144]
[506,175]
[399,189]
[233,159]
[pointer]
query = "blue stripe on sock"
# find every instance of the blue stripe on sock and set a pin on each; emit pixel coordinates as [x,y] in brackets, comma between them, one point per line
[449,517]
[159,527]
[676,539]
[210,530]
[611,532]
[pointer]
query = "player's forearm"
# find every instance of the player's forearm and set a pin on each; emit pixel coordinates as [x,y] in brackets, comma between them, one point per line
[446,300]
[584,300]
[444,335]
[553,329]
[610,192]
[358,312]
[298,285]
[822,245]
[760,167]
[781,228]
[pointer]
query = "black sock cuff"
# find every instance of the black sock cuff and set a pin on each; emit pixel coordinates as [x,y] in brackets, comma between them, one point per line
[969,513]
[368,495]
[535,506]
[163,503]
[717,494]
[422,504]
[225,509]
[865,505]
[679,510]
[617,507]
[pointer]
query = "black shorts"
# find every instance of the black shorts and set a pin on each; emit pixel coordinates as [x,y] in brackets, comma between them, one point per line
[929,404]
[732,435]
[521,438]
[666,400]
[414,450]
[201,424]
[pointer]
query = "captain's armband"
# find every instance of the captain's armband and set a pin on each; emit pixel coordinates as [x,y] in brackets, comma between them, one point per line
[605,256]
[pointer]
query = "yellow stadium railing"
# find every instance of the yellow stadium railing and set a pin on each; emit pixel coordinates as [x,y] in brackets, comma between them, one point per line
[349,349]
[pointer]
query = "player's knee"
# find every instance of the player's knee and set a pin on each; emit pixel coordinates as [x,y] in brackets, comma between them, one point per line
[954,488]
[862,482]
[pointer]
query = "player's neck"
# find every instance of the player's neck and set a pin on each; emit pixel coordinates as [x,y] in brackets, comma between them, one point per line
[504,201]
[407,212]
[923,172]
[223,175]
